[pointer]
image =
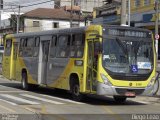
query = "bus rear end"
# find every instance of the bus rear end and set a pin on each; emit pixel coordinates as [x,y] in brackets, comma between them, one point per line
[127,64]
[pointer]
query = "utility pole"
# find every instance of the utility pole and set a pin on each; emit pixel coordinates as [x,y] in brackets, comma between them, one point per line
[71,18]
[129,12]
[123,12]
[1,8]
[79,17]
[156,24]
[18,19]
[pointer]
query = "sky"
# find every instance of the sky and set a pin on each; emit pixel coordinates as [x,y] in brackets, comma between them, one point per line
[8,10]
[27,2]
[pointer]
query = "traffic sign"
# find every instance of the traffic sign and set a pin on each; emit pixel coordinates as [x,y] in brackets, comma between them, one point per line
[156,36]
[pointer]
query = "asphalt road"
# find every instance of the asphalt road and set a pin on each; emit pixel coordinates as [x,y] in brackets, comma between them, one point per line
[50,104]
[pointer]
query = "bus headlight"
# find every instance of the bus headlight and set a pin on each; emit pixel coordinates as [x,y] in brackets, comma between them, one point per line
[151,82]
[105,79]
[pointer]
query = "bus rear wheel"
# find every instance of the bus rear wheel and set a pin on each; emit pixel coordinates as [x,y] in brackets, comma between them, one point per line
[25,85]
[75,90]
[120,99]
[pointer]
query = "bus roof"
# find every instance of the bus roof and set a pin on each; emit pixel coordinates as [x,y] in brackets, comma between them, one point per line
[72,30]
[125,27]
[55,31]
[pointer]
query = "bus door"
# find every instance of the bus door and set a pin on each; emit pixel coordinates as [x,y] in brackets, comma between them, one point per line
[92,66]
[43,63]
[15,51]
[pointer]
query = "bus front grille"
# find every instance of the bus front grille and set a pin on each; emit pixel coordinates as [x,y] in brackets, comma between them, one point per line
[122,91]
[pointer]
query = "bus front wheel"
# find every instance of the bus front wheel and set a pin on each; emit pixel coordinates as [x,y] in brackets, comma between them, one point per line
[75,90]
[24,81]
[120,99]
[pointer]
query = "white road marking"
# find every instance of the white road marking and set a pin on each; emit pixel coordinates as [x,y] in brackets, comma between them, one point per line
[13,91]
[67,100]
[143,102]
[42,99]
[18,99]
[8,102]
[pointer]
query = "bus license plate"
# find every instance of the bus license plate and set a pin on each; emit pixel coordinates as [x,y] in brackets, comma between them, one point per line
[130,94]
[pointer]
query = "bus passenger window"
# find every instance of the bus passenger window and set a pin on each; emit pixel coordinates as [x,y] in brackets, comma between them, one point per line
[53,46]
[72,51]
[21,42]
[77,46]
[63,46]
[29,47]
[30,42]
[21,46]
[79,51]
[7,51]
[37,40]
[25,42]
[36,47]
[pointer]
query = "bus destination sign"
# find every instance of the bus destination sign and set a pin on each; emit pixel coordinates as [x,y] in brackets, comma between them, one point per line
[128,33]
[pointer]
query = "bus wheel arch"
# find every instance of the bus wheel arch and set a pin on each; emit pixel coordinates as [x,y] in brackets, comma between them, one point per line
[75,87]
[24,80]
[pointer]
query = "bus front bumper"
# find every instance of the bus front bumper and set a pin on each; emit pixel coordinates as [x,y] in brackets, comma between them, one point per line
[106,90]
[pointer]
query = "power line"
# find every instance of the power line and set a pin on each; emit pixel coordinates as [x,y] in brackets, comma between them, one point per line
[38,3]
[17,6]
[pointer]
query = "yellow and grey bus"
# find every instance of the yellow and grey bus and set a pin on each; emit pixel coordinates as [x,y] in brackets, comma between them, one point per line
[116,61]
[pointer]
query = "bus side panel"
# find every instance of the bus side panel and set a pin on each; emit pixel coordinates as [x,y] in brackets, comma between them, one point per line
[31,65]
[56,76]
[59,72]
[34,69]
[6,64]
[78,70]
[18,69]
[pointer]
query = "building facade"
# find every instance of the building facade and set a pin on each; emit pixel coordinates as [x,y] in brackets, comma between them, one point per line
[142,13]
[85,5]
[42,19]
[47,19]
[109,13]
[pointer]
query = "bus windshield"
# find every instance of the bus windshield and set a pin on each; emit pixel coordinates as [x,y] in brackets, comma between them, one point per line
[125,55]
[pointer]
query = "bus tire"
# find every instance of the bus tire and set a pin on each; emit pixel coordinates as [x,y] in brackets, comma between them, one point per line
[24,81]
[120,99]
[75,91]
